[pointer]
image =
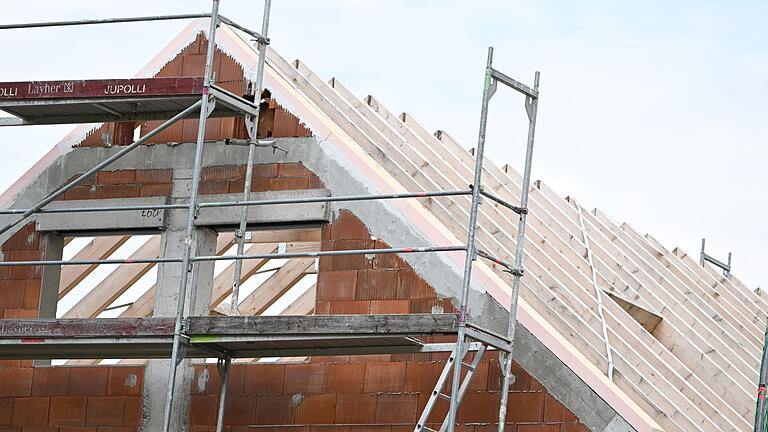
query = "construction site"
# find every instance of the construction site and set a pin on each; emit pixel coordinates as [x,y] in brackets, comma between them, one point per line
[272,252]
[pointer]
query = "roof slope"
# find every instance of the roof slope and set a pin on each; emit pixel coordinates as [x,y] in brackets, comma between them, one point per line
[697,369]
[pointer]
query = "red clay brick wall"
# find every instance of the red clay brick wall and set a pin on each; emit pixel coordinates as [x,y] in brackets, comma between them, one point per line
[63,399]
[369,393]
[274,120]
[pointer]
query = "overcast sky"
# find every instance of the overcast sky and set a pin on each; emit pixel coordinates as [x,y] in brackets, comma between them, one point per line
[653,111]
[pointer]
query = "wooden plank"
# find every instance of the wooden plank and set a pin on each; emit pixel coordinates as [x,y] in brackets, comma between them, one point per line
[32,329]
[390,325]
[103,88]
[99,248]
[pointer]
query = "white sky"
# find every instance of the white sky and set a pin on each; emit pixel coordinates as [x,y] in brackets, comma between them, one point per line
[654,112]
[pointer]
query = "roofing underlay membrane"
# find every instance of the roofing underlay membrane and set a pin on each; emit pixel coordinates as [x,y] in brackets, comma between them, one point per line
[694,370]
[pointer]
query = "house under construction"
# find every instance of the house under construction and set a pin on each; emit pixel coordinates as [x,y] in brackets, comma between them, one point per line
[242,245]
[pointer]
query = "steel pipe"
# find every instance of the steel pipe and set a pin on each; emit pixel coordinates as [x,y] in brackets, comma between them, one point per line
[342,198]
[102,21]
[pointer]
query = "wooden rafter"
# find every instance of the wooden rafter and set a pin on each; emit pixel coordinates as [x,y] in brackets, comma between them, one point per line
[99,248]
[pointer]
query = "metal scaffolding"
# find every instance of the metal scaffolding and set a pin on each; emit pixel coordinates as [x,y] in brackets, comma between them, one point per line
[177,340]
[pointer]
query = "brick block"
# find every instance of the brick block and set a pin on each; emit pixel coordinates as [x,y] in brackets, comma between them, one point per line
[154,176]
[258,184]
[396,408]
[293,170]
[11,294]
[315,182]
[480,379]
[304,378]
[356,408]
[525,407]
[346,226]
[116,177]
[153,190]
[288,183]
[132,415]
[350,308]
[211,187]
[202,410]
[274,410]
[31,299]
[478,407]
[433,305]
[344,377]
[240,410]
[105,411]
[68,411]
[316,409]
[88,381]
[6,411]
[125,381]
[390,306]
[389,260]
[384,377]
[15,382]
[32,411]
[376,285]
[264,379]
[336,285]
[120,191]
[265,170]
[50,381]
[222,172]
[421,377]
[412,286]
[20,313]
[554,411]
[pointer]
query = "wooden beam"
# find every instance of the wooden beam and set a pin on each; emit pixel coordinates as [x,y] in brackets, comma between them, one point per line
[304,304]
[275,286]
[99,248]
[103,294]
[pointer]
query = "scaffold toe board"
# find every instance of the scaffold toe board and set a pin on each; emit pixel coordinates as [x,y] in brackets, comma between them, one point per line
[110,100]
[236,337]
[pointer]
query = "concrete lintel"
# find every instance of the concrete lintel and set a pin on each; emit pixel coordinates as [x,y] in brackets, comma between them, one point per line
[103,220]
[266,214]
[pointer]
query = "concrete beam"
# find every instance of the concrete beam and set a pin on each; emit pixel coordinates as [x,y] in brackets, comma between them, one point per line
[103,220]
[266,214]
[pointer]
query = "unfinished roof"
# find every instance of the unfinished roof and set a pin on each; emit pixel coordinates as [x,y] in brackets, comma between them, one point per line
[684,339]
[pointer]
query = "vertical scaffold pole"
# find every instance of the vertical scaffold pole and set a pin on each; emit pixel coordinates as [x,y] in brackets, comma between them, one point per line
[470,256]
[186,269]
[223,366]
[240,234]
[531,108]
[761,416]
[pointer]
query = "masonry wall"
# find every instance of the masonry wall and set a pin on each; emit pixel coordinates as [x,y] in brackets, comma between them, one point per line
[368,393]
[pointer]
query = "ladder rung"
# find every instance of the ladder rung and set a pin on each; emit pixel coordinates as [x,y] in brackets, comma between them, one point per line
[468,366]
[428,429]
[444,396]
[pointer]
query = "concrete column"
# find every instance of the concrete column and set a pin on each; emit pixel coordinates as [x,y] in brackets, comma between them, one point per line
[53,246]
[198,302]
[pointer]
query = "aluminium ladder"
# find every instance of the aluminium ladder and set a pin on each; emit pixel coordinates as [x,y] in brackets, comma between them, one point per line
[456,361]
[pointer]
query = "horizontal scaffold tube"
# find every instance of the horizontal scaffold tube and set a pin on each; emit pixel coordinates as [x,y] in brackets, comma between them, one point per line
[309,200]
[287,255]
